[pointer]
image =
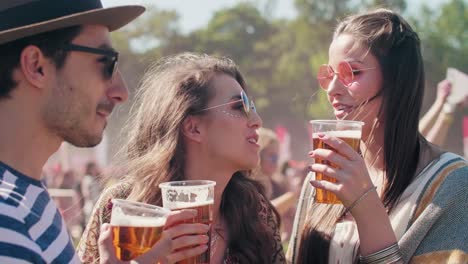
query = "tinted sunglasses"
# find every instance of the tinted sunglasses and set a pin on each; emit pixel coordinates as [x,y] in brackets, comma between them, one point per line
[248,105]
[110,61]
[344,72]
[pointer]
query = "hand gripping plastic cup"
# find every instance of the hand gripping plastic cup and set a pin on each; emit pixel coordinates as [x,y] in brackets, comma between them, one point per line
[195,194]
[348,131]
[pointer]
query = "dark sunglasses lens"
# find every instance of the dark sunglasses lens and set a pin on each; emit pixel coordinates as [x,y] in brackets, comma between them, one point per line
[345,73]
[324,75]
[110,67]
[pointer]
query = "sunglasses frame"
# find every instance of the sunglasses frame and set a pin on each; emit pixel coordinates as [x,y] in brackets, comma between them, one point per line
[112,55]
[332,73]
[247,103]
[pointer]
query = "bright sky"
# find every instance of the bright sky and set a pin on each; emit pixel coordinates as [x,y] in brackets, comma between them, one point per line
[196,13]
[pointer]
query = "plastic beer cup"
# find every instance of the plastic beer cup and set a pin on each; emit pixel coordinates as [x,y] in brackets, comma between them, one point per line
[348,131]
[136,227]
[195,194]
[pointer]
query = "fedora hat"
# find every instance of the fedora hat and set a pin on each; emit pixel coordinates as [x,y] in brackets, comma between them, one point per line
[23,18]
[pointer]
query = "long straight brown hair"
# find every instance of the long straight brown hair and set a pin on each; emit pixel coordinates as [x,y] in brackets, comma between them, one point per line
[171,90]
[397,48]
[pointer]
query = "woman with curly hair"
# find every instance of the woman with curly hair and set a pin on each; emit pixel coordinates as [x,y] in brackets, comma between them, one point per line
[194,121]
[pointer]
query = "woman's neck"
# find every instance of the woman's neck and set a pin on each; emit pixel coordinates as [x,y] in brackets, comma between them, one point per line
[373,155]
[372,149]
[372,145]
[198,169]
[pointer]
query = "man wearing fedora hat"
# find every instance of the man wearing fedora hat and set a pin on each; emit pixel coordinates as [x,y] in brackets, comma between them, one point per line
[58,82]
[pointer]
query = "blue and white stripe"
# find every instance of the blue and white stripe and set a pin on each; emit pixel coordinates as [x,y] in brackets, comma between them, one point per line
[31,227]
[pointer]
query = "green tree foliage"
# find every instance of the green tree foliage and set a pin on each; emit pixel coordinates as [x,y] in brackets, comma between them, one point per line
[318,11]
[444,34]
[145,40]
[233,32]
[397,5]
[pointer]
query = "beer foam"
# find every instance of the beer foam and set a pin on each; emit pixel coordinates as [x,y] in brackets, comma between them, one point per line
[340,134]
[185,205]
[120,219]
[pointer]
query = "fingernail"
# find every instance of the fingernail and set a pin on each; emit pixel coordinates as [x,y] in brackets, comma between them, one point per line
[321,135]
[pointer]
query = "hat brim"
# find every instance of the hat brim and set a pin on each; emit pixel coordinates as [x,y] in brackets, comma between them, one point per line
[112,17]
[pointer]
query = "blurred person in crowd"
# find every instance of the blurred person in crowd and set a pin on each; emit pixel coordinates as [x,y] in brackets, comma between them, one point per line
[53,176]
[91,187]
[275,184]
[267,172]
[69,203]
[295,172]
[403,199]
[58,82]
[435,124]
[194,121]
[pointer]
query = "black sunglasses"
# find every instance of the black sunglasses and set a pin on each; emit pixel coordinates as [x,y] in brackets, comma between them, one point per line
[111,57]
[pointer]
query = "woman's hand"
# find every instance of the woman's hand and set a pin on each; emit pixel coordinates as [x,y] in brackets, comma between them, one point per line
[444,89]
[355,188]
[349,170]
[178,241]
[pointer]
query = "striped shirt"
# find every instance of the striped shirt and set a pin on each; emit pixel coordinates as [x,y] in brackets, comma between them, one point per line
[31,227]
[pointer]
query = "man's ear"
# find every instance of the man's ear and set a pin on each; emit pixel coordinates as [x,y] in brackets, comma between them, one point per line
[34,66]
[191,128]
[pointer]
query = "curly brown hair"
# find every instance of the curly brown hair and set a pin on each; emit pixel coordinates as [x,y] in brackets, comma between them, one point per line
[172,89]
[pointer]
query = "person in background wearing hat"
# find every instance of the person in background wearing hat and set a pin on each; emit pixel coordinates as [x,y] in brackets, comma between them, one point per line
[58,82]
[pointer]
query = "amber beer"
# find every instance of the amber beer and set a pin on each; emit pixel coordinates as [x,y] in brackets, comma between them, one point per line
[191,194]
[204,216]
[353,138]
[136,227]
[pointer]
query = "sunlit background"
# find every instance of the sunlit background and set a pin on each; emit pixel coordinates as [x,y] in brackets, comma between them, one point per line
[278,45]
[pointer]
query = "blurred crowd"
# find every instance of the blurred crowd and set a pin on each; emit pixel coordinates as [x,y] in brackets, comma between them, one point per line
[75,191]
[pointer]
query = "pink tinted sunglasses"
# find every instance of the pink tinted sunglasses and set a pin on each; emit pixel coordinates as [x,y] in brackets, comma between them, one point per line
[344,72]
